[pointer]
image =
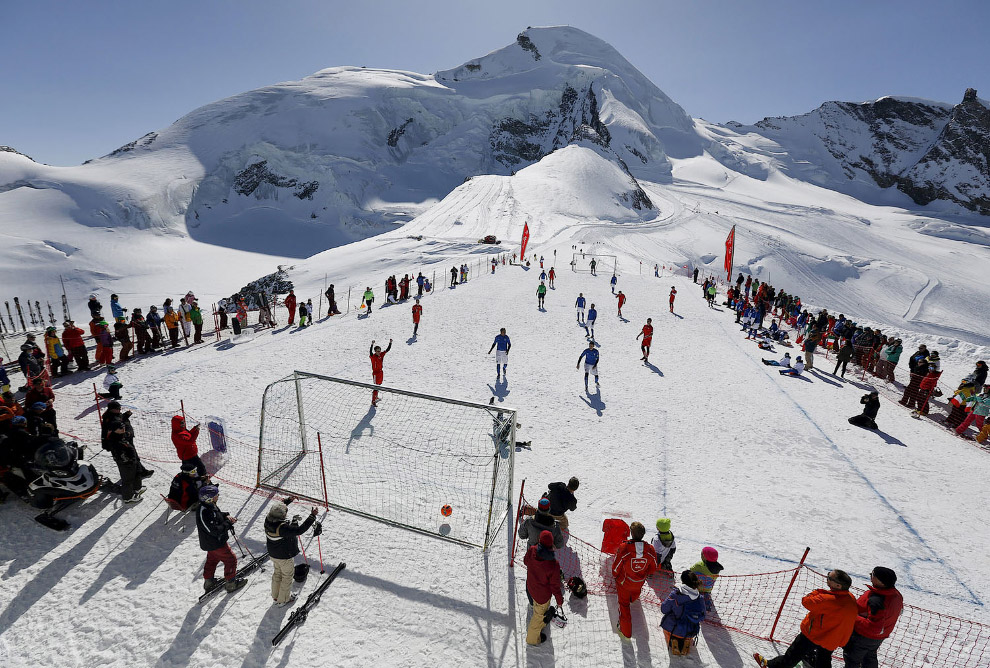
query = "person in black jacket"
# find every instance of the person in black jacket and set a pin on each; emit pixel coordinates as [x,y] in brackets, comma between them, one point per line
[562,499]
[121,447]
[213,526]
[113,414]
[842,358]
[871,406]
[283,546]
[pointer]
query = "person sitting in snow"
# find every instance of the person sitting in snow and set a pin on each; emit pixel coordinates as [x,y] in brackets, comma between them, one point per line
[112,384]
[784,361]
[795,370]
[871,406]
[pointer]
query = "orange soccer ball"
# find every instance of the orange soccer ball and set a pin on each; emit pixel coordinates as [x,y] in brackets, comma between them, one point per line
[446,510]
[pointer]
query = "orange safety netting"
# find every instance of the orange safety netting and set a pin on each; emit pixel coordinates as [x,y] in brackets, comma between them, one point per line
[751,604]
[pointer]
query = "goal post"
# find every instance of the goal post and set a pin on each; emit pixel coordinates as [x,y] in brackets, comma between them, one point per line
[432,464]
[604,264]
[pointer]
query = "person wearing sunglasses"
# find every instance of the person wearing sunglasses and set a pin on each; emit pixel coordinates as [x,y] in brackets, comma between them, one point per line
[832,613]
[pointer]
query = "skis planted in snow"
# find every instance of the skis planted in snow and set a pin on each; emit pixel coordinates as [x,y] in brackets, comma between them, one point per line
[243,571]
[20,313]
[10,316]
[298,616]
[51,314]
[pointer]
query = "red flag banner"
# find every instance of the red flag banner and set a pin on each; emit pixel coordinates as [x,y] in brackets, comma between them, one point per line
[730,247]
[525,240]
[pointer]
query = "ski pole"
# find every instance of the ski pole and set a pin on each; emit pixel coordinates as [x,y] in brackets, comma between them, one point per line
[302,548]
[319,546]
[240,545]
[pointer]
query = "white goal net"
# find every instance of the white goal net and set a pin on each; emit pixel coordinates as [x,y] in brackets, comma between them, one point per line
[431,464]
[604,264]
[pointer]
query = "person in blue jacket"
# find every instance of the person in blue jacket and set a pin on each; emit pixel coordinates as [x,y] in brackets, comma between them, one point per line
[116,308]
[683,611]
[589,324]
[590,357]
[613,281]
[501,346]
[579,305]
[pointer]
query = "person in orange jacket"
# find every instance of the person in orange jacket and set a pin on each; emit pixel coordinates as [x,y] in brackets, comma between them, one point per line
[828,625]
[635,561]
[172,325]
[290,303]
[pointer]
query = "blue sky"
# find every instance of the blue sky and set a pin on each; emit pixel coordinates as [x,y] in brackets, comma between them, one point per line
[80,79]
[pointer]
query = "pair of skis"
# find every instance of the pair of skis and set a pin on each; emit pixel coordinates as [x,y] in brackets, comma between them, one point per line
[298,616]
[253,565]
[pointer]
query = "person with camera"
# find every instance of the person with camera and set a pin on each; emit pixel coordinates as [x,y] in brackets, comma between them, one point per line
[871,406]
[283,546]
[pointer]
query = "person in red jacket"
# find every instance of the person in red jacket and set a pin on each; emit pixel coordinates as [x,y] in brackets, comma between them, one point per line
[72,337]
[635,561]
[829,623]
[377,366]
[879,607]
[552,275]
[417,311]
[647,335]
[673,293]
[290,303]
[184,441]
[542,584]
[622,300]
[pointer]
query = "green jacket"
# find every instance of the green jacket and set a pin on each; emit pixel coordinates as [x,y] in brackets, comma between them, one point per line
[196,315]
[980,404]
[369,296]
[541,290]
[706,576]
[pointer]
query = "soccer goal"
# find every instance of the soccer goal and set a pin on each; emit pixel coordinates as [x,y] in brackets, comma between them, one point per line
[432,464]
[604,264]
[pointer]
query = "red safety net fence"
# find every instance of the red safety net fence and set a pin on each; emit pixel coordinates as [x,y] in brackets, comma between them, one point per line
[768,606]
[228,459]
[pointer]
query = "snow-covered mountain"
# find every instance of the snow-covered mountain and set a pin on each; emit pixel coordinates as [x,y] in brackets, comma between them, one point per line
[556,129]
[930,151]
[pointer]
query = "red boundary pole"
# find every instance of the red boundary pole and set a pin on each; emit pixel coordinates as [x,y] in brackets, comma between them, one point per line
[323,473]
[788,592]
[515,524]
[96,397]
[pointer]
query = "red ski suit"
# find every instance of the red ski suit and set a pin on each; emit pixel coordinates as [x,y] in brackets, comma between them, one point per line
[183,439]
[417,311]
[377,370]
[290,303]
[634,562]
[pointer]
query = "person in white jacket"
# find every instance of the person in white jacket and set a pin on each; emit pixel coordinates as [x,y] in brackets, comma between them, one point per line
[785,361]
[795,370]
[112,384]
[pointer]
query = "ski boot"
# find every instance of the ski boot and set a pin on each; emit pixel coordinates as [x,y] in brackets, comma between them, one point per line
[212,583]
[233,585]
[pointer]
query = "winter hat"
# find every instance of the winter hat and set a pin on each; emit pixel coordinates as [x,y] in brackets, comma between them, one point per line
[278,511]
[113,405]
[207,492]
[709,554]
[544,505]
[546,539]
[934,355]
[886,576]
[18,419]
[111,369]
[799,359]
[188,467]
[39,406]
[663,524]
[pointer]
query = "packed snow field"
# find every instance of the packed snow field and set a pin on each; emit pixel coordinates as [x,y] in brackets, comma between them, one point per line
[753,463]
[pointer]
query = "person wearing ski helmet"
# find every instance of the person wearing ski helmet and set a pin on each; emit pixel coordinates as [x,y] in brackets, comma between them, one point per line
[664,544]
[282,536]
[112,384]
[708,570]
[214,527]
[795,370]
[95,308]
[540,522]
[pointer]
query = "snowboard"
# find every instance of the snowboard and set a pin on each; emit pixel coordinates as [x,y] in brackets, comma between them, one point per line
[243,571]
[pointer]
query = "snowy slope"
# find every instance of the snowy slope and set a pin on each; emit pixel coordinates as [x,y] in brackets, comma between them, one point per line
[755,464]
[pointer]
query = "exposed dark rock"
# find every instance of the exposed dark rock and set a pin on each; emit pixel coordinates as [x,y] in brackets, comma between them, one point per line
[248,180]
[393,136]
[527,44]
[146,140]
[10,149]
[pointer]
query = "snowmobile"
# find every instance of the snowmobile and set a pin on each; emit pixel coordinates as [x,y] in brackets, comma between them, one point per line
[56,479]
